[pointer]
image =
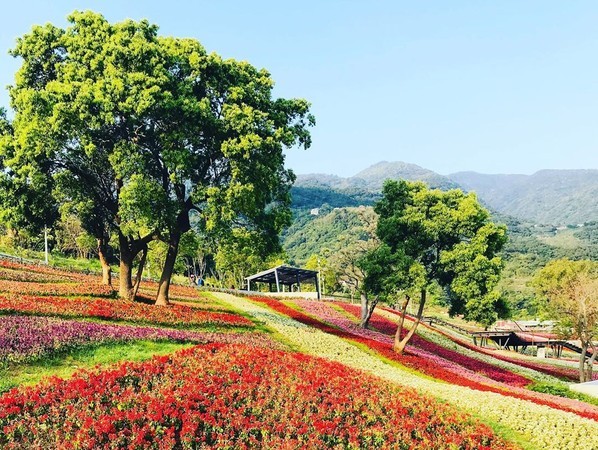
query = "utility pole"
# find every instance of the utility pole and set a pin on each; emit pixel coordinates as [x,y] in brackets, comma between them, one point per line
[320,276]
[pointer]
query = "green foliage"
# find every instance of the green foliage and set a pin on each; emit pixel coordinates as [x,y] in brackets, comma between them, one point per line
[333,230]
[322,264]
[72,239]
[308,197]
[240,254]
[132,131]
[588,233]
[25,201]
[569,290]
[429,236]
[562,390]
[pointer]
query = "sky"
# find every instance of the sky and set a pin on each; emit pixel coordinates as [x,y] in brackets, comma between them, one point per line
[490,86]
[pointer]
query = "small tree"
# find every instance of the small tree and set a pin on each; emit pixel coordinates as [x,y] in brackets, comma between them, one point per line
[569,291]
[432,237]
[347,262]
[321,264]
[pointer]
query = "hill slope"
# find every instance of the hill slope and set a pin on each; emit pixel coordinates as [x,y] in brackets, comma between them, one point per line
[547,196]
[372,178]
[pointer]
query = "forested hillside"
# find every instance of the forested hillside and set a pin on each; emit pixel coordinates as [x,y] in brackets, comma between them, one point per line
[327,232]
[559,197]
[530,245]
[553,197]
[373,177]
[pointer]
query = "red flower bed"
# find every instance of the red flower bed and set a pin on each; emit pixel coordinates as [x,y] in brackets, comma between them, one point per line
[493,372]
[51,272]
[219,396]
[60,289]
[172,315]
[425,366]
[21,275]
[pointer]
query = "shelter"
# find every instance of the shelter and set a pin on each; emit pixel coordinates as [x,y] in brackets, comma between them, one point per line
[281,276]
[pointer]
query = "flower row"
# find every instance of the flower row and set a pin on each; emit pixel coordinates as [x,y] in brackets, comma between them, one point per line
[35,270]
[27,337]
[553,369]
[11,272]
[542,426]
[172,315]
[30,277]
[491,371]
[437,366]
[446,340]
[60,289]
[233,396]
[176,290]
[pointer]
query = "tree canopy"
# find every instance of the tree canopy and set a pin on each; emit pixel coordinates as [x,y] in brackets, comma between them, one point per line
[433,237]
[135,131]
[569,294]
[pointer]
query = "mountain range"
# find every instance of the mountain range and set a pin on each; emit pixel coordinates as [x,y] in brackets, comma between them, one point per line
[555,197]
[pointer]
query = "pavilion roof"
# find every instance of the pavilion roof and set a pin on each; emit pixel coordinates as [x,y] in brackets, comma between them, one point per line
[286,275]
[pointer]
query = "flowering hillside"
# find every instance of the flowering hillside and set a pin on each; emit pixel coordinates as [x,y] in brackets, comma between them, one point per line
[262,374]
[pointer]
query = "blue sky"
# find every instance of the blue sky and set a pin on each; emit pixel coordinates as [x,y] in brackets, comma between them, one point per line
[495,87]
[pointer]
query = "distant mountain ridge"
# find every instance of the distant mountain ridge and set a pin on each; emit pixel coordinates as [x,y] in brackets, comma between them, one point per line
[558,197]
[372,178]
[547,196]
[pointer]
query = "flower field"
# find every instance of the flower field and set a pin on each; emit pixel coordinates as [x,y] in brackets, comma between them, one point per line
[38,273]
[241,387]
[426,361]
[232,396]
[58,289]
[566,373]
[27,337]
[541,426]
[173,315]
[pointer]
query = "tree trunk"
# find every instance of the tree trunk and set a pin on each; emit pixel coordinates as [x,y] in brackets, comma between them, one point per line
[367,309]
[397,338]
[364,311]
[164,284]
[590,363]
[125,288]
[140,271]
[102,254]
[582,362]
[129,249]
[399,345]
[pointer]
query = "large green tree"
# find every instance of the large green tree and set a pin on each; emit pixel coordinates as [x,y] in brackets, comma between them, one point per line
[433,237]
[142,129]
[25,195]
[569,294]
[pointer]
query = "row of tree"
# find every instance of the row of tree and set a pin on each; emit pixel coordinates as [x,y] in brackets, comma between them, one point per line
[137,135]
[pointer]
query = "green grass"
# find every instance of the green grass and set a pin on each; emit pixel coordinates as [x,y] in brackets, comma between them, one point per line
[562,390]
[64,366]
[57,260]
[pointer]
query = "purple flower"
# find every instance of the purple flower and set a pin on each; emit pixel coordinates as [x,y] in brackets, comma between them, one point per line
[25,337]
